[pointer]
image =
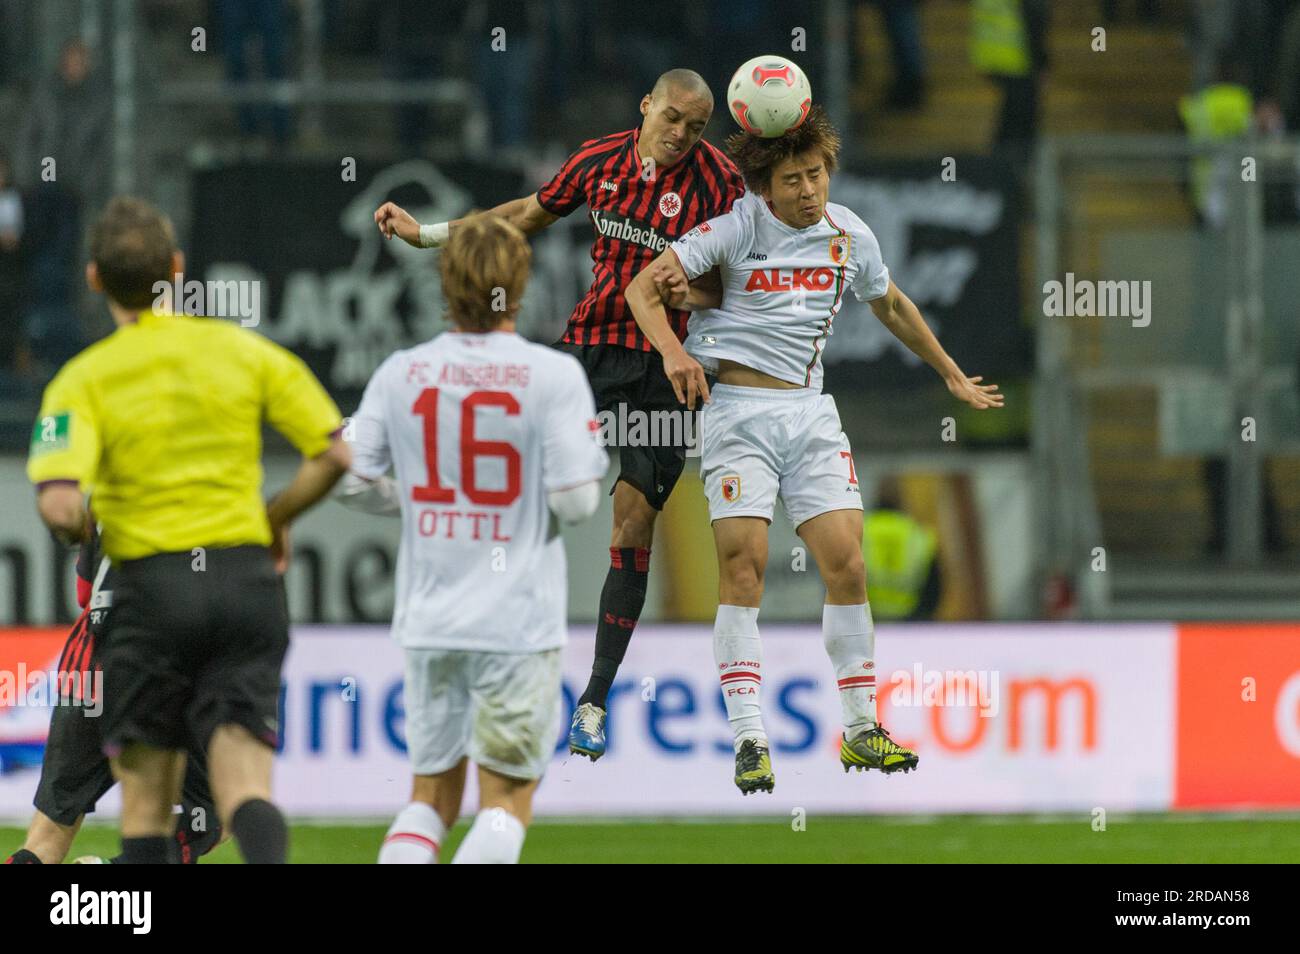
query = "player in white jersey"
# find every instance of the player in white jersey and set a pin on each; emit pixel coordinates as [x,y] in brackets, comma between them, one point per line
[787,257]
[490,438]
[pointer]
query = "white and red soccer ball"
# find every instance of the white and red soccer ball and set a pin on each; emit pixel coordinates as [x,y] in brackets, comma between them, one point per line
[768,96]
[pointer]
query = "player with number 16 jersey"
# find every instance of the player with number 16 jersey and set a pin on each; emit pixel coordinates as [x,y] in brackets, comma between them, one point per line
[491,439]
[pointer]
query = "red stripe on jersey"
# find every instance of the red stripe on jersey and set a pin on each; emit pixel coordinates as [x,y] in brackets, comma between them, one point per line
[632,227]
[740,675]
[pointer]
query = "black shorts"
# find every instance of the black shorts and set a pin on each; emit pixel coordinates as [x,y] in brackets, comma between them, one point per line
[75,773]
[626,378]
[194,646]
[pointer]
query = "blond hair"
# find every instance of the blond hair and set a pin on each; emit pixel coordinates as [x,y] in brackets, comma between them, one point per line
[485,267]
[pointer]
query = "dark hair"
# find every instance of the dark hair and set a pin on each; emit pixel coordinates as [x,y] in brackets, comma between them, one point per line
[756,157]
[131,244]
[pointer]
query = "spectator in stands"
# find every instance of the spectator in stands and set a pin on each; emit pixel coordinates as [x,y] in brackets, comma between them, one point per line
[11,273]
[904,581]
[1009,44]
[415,42]
[65,139]
[902,20]
[505,65]
[237,22]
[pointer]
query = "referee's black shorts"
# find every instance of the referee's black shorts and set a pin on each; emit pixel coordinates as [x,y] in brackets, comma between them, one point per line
[74,774]
[197,641]
[635,380]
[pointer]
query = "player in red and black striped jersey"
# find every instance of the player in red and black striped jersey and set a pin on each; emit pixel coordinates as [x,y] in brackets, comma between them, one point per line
[643,188]
[75,773]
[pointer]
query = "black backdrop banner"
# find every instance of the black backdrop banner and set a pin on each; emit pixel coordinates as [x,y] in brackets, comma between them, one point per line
[337,293]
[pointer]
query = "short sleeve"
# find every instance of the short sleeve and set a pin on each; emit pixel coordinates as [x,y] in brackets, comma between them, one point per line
[65,438]
[297,405]
[720,240]
[872,280]
[567,189]
[571,450]
[367,430]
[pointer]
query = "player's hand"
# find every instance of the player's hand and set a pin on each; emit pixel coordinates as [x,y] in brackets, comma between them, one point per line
[978,396]
[687,377]
[392,220]
[280,548]
[671,285]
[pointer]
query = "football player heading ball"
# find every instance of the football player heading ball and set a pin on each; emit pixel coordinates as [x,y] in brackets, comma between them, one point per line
[787,256]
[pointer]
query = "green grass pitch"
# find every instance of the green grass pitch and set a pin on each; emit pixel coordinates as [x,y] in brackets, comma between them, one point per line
[1146,838]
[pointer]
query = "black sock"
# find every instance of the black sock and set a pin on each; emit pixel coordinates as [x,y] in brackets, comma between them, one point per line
[195,844]
[23,857]
[148,850]
[260,833]
[621,601]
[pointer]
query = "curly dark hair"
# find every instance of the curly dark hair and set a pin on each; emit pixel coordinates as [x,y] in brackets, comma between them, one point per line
[756,157]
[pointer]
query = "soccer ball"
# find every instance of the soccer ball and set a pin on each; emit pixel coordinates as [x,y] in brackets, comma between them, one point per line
[768,96]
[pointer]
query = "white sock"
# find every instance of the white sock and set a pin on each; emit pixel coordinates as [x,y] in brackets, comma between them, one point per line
[495,838]
[739,655]
[414,838]
[850,639]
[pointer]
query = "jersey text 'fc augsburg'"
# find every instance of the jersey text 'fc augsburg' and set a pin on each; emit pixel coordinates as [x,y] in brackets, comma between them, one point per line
[477,429]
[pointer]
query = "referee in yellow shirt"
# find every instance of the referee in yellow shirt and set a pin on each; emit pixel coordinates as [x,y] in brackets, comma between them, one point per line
[162,420]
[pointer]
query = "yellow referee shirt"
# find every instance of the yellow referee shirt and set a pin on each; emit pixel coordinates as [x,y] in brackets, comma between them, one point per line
[162,421]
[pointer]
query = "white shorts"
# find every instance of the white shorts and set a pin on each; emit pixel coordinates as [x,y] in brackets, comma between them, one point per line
[500,709]
[757,444]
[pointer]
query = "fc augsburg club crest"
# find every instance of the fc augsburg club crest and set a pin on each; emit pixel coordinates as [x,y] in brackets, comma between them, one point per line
[730,489]
[840,249]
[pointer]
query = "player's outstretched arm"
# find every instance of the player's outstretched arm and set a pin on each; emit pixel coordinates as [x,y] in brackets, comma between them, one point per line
[903,319]
[642,295]
[525,213]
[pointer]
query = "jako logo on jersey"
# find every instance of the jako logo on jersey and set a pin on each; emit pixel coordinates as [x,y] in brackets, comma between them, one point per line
[730,489]
[670,203]
[840,245]
[618,227]
[775,279]
[608,186]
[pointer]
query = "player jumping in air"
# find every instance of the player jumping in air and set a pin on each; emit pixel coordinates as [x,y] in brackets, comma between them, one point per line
[787,257]
[492,439]
[75,773]
[643,188]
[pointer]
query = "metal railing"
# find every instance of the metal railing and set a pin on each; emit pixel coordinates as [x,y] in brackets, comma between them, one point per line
[1232,342]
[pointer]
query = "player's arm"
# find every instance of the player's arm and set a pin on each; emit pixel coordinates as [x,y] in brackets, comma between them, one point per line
[676,292]
[62,508]
[642,295]
[525,213]
[903,319]
[573,460]
[297,406]
[64,455]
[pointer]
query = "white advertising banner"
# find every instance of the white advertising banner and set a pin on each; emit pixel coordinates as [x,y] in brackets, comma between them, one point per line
[1020,718]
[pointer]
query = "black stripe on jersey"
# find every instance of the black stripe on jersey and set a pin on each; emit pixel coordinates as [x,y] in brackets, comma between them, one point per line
[579,166]
[580,323]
